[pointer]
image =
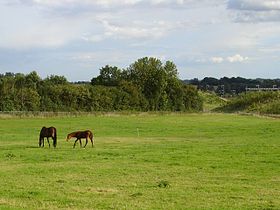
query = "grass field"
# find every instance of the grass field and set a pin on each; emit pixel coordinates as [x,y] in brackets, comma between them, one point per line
[145,161]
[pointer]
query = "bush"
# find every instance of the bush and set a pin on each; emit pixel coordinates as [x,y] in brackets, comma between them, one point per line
[260,102]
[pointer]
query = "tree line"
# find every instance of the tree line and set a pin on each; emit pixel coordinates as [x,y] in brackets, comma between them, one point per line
[233,85]
[146,85]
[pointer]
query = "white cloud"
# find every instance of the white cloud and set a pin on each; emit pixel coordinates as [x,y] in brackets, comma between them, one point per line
[67,3]
[237,58]
[217,59]
[101,58]
[135,30]
[257,5]
[232,59]
[25,29]
[194,34]
[255,10]
[48,29]
[138,29]
[107,4]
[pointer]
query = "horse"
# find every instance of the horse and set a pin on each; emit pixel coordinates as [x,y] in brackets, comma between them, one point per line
[81,135]
[47,132]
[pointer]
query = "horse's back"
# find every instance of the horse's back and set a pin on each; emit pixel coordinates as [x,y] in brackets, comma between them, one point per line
[82,134]
[48,132]
[52,130]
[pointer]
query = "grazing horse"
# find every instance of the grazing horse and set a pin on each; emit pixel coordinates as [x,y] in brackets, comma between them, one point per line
[47,132]
[81,135]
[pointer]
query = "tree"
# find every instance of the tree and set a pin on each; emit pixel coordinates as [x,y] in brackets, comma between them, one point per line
[171,70]
[173,88]
[150,77]
[109,76]
[7,92]
[191,99]
[32,79]
[29,100]
[103,98]
[56,80]
[146,85]
[131,98]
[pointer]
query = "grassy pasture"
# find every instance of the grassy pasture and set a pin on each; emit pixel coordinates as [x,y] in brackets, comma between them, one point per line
[145,161]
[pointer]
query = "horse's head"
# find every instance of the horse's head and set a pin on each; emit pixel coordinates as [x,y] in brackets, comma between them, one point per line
[68,137]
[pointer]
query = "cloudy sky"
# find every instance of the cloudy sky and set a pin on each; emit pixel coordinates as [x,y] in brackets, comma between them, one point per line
[75,38]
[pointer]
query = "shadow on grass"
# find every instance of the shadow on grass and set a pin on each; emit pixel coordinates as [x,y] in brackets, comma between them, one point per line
[31,147]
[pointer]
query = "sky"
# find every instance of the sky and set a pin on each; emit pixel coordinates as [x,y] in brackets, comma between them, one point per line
[204,38]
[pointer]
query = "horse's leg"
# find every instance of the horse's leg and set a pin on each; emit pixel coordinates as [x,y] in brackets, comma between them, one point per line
[86,142]
[48,142]
[92,141]
[75,143]
[43,142]
[80,143]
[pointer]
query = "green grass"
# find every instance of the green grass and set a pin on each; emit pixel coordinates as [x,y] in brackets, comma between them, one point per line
[253,102]
[178,161]
[211,101]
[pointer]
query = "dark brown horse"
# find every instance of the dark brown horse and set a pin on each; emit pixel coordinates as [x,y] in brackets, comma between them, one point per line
[81,135]
[47,132]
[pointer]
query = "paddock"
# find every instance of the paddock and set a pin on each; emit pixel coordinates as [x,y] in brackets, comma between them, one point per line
[143,161]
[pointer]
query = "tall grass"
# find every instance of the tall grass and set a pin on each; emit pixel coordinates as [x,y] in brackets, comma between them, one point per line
[257,102]
[211,101]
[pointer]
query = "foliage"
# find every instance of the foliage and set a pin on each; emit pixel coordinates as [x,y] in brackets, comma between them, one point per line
[191,100]
[232,86]
[109,76]
[260,102]
[211,101]
[56,80]
[146,85]
[149,76]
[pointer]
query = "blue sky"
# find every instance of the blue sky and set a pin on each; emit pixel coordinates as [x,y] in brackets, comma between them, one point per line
[75,38]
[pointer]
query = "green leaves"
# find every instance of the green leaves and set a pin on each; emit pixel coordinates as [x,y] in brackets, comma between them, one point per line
[148,84]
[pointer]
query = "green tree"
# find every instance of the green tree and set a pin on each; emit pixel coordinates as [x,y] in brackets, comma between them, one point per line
[191,100]
[83,98]
[130,98]
[109,76]
[103,98]
[32,80]
[56,80]
[149,75]
[7,92]
[28,100]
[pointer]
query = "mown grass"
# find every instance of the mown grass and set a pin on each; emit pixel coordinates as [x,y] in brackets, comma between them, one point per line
[143,161]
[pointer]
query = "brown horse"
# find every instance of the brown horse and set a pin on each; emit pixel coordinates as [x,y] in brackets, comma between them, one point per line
[47,132]
[81,135]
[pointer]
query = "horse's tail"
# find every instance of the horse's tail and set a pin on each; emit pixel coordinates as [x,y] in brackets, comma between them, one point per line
[90,135]
[54,138]
[91,138]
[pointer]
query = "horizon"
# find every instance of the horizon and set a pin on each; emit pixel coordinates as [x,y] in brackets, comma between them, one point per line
[218,38]
[182,79]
